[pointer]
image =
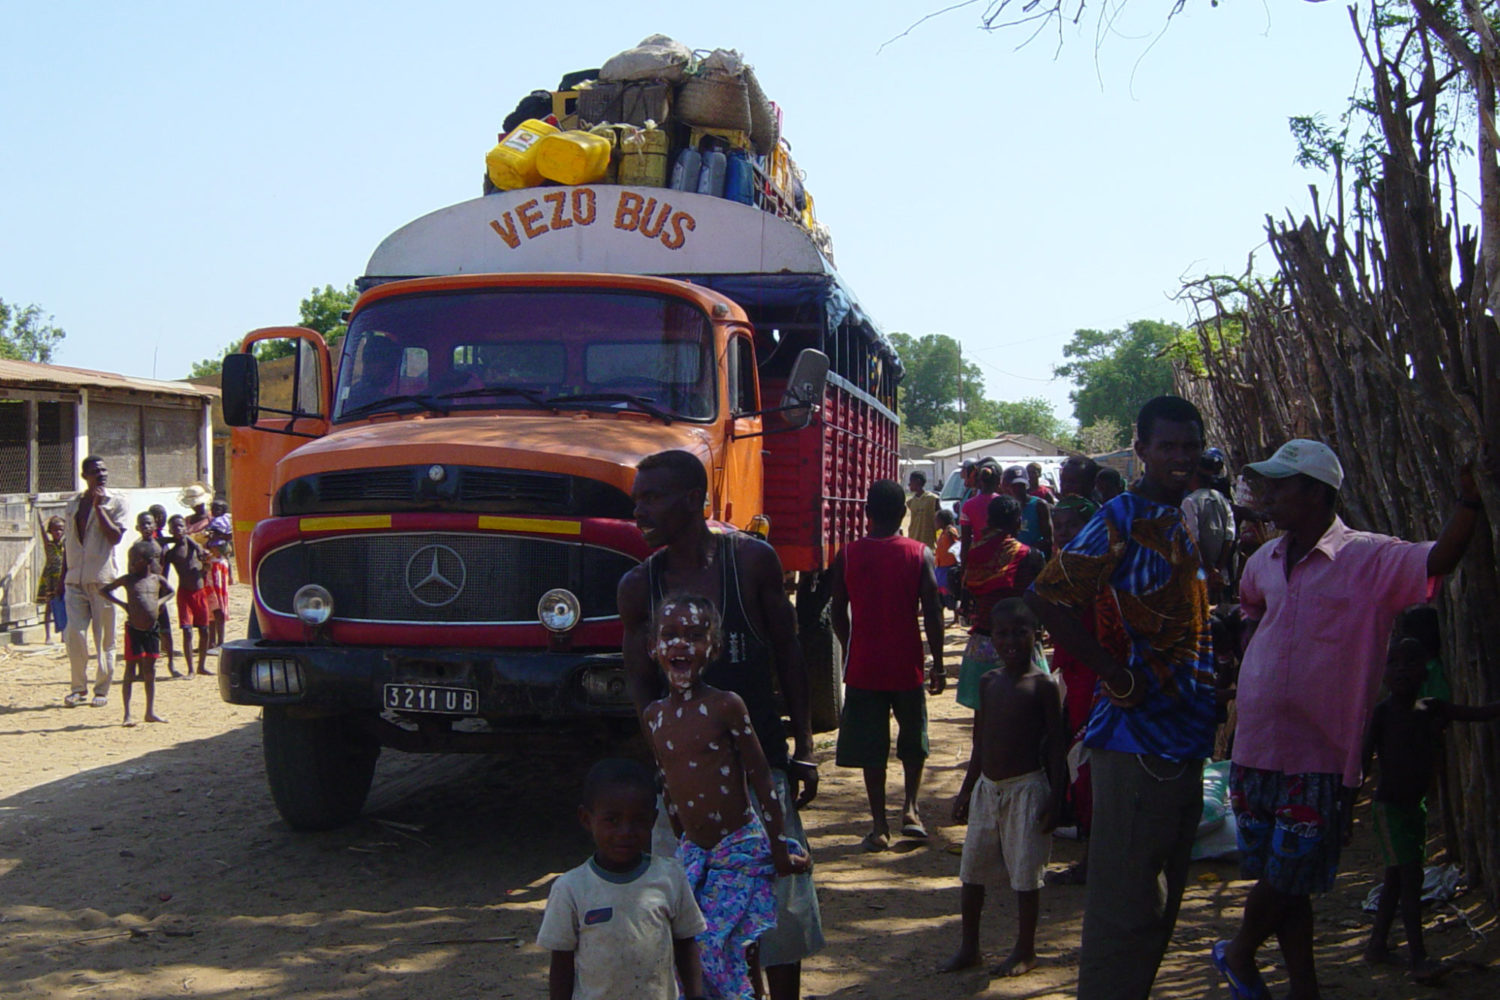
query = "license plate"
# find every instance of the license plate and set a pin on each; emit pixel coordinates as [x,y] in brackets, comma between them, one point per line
[431,698]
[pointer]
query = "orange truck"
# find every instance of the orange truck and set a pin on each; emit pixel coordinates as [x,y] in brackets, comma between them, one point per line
[435,526]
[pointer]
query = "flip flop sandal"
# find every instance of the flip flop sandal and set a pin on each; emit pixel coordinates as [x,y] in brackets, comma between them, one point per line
[914,830]
[1238,989]
[876,842]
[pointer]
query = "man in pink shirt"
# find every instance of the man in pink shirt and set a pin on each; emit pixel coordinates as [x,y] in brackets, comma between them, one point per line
[1319,602]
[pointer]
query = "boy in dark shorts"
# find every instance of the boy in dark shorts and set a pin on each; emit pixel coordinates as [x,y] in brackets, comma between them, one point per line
[886,580]
[195,598]
[623,922]
[145,591]
[164,620]
[1013,790]
[1404,736]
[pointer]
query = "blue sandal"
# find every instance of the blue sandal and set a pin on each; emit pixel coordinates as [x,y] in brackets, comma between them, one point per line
[1239,990]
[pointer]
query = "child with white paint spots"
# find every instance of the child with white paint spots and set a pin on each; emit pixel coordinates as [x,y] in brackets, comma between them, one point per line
[707,750]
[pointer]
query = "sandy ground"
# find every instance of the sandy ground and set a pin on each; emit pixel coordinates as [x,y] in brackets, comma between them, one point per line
[150,862]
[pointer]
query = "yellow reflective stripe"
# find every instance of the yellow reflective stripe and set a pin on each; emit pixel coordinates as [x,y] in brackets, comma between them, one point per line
[245,525]
[532,524]
[362,522]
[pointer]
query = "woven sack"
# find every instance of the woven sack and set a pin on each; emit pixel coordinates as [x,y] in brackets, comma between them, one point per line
[714,100]
[641,102]
[600,103]
[764,129]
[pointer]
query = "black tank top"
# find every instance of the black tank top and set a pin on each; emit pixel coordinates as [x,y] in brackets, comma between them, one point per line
[745,662]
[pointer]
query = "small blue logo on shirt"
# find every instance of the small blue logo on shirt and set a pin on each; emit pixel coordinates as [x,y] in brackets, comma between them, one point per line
[598,916]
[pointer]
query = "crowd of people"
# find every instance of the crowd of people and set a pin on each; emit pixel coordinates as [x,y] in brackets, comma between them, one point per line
[81,586]
[1154,665]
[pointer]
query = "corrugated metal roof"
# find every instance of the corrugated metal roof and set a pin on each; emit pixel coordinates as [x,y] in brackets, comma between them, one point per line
[31,374]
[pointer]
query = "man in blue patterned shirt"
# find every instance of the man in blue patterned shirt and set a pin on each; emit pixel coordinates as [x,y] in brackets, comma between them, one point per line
[1154,724]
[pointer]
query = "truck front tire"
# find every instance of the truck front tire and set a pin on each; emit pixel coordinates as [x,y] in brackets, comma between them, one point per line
[319,769]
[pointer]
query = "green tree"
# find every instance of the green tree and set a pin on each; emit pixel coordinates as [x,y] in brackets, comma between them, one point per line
[25,335]
[930,389]
[323,310]
[1032,415]
[1101,436]
[1118,370]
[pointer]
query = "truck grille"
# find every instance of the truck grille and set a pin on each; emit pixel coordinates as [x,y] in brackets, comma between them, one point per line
[475,489]
[442,577]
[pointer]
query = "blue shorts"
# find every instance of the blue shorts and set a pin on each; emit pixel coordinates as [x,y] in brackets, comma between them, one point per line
[1289,827]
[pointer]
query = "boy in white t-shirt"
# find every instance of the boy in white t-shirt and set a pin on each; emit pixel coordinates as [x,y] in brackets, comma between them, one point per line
[622,922]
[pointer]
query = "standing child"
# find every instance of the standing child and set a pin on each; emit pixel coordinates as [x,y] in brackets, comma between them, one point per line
[619,924]
[707,749]
[946,561]
[145,591]
[220,576]
[1404,735]
[1013,790]
[164,620]
[195,599]
[49,589]
[1080,689]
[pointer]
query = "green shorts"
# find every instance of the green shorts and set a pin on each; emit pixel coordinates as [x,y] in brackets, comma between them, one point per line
[1401,831]
[865,727]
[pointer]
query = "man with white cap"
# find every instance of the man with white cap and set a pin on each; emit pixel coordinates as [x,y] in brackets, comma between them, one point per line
[195,498]
[1320,602]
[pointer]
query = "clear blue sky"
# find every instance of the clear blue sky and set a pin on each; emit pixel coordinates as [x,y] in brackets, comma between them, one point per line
[178,173]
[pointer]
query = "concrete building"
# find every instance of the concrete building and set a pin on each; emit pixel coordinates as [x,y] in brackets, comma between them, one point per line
[155,436]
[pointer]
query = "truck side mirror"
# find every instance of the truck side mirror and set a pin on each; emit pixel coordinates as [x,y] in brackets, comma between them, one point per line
[240,383]
[804,388]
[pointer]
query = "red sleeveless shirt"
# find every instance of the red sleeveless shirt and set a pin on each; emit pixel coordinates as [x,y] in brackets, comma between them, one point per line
[884,579]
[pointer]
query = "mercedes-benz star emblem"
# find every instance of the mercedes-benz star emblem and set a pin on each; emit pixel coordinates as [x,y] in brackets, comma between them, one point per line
[435,575]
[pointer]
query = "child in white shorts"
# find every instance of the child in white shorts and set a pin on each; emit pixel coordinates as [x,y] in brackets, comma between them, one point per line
[1013,790]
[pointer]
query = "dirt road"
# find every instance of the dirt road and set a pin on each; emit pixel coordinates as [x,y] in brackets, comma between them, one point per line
[150,862]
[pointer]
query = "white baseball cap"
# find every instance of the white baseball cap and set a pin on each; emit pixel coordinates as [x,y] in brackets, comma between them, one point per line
[1300,456]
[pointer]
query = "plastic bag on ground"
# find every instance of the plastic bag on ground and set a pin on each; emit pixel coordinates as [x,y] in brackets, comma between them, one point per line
[1440,883]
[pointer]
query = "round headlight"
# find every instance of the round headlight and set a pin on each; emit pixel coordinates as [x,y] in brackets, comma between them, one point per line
[313,604]
[558,610]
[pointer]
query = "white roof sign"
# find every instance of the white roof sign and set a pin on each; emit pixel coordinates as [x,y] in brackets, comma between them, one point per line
[602,228]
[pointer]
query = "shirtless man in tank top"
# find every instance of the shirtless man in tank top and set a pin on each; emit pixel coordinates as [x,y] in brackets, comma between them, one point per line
[742,575]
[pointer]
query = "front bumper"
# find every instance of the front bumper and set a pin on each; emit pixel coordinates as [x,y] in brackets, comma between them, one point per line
[514,686]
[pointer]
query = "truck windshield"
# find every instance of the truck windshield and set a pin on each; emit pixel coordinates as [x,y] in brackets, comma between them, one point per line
[529,348]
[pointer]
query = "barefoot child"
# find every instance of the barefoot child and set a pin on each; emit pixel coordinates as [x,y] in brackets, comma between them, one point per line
[707,749]
[145,591]
[49,588]
[220,576]
[1013,790]
[164,620]
[1403,736]
[195,599]
[622,922]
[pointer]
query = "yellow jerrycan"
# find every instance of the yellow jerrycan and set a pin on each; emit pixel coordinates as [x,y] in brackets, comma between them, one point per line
[573,157]
[512,163]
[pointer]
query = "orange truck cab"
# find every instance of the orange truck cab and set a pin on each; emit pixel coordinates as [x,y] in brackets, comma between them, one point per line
[435,526]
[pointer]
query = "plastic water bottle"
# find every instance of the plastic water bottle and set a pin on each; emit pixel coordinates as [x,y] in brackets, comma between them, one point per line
[739,179]
[711,180]
[685,170]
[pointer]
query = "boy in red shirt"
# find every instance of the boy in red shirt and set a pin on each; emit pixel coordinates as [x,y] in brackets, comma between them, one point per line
[885,578]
